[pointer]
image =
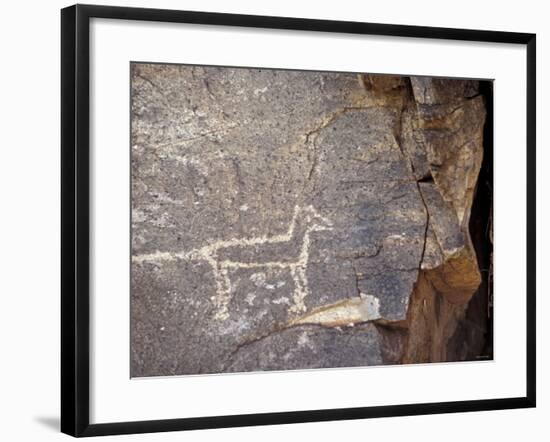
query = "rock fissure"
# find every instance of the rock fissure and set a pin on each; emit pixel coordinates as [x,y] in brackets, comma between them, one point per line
[399,138]
[425,228]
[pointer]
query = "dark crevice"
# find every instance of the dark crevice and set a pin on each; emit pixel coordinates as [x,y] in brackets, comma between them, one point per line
[425,229]
[473,339]
[428,178]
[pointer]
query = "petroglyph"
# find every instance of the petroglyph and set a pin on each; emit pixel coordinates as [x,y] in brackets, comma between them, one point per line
[305,220]
[228,275]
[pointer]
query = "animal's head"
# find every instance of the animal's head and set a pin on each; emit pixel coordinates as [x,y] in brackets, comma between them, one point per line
[314,220]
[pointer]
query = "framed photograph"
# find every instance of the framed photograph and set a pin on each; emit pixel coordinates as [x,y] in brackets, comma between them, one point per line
[273,220]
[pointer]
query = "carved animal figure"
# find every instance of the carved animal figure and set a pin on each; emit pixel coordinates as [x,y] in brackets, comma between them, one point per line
[289,250]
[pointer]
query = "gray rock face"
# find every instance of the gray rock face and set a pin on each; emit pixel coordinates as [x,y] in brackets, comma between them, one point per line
[278,221]
[313,347]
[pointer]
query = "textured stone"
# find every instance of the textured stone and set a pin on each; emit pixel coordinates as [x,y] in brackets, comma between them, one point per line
[433,91]
[278,221]
[313,347]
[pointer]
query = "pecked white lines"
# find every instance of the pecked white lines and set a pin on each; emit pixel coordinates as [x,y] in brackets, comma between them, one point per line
[304,221]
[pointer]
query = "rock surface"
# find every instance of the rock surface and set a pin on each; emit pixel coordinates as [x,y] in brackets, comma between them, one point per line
[292,220]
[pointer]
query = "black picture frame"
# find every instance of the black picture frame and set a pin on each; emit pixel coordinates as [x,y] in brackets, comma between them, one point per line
[75,225]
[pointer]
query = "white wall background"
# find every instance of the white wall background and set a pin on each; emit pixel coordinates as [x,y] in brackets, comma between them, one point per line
[29,220]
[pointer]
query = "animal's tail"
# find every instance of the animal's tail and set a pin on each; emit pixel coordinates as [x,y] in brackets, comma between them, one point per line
[158,256]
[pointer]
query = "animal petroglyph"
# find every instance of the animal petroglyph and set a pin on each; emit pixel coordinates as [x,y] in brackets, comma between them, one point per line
[293,258]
